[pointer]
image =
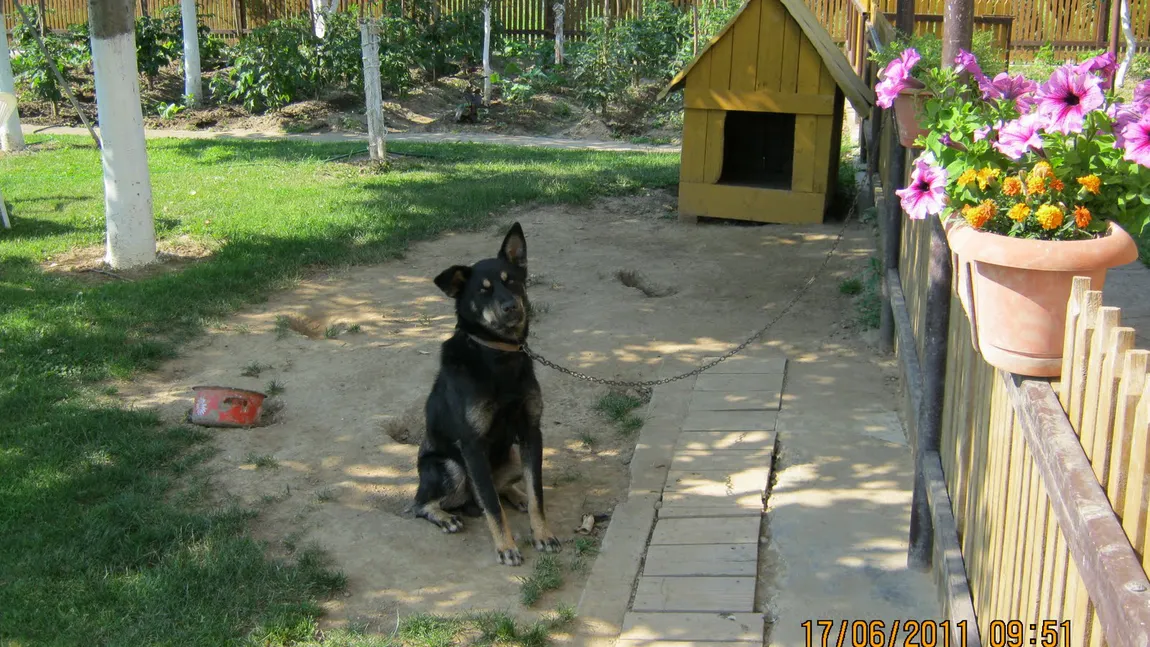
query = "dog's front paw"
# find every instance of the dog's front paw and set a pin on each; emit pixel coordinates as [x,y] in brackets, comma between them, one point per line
[446,521]
[548,545]
[510,556]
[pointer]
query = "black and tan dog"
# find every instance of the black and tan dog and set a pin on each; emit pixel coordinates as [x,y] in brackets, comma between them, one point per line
[486,401]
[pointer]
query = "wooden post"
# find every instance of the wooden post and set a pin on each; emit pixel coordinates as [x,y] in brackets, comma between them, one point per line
[891,231]
[487,52]
[957,29]
[376,133]
[43,18]
[560,31]
[695,27]
[929,431]
[904,17]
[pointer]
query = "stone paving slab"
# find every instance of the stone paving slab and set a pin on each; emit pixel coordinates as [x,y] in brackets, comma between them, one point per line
[736,400]
[688,511]
[729,594]
[694,627]
[718,484]
[721,459]
[730,421]
[742,365]
[716,440]
[714,559]
[736,381]
[678,532]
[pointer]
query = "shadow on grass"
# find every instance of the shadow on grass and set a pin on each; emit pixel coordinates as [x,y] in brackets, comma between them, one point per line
[96,545]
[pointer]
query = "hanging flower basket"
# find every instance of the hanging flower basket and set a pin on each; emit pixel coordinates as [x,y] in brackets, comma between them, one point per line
[1015,290]
[908,110]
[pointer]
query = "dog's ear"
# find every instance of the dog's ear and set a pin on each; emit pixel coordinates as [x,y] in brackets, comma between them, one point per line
[514,248]
[452,280]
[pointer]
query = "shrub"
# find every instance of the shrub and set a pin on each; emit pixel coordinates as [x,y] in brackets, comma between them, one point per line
[33,70]
[272,67]
[601,69]
[157,45]
[653,39]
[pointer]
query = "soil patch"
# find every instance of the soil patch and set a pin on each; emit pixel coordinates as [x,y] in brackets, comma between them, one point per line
[337,467]
[87,263]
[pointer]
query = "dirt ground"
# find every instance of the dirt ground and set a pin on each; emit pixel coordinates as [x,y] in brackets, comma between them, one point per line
[338,476]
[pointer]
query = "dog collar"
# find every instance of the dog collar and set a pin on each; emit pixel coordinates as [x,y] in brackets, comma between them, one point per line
[497,345]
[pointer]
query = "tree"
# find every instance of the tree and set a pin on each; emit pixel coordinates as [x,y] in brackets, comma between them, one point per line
[193,81]
[487,52]
[320,9]
[11,138]
[131,230]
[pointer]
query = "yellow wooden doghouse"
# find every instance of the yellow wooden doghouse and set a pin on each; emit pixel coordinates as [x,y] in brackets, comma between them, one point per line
[762,125]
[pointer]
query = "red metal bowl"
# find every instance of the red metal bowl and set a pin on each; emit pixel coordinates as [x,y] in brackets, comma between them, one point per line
[223,406]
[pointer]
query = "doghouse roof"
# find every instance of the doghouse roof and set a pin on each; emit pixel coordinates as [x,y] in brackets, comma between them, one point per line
[859,94]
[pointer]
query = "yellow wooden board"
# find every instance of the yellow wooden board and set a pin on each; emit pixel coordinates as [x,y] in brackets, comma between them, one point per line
[713,157]
[681,77]
[750,203]
[772,17]
[759,101]
[788,79]
[721,65]
[745,48]
[803,169]
[694,148]
[824,136]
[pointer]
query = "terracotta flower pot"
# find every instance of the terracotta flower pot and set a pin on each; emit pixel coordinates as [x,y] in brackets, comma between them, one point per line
[908,105]
[1015,290]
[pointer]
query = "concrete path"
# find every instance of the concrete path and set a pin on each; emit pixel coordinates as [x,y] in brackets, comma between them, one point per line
[478,138]
[706,551]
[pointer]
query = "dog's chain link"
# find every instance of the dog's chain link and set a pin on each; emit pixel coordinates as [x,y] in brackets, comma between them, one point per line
[731,353]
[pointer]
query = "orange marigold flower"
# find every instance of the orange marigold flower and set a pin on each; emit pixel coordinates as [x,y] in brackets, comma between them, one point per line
[1082,216]
[968,176]
[1011,186]
[1049,216]
[1043,169]
[1091,182]
[1056,184]
[1018,212]
[978,216]
[1035,184]
[986,176]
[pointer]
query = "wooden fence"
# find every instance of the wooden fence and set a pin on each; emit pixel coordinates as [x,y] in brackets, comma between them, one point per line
[1031,495]
[1067,24]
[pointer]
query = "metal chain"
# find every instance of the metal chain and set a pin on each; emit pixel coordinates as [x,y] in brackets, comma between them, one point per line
[647,384]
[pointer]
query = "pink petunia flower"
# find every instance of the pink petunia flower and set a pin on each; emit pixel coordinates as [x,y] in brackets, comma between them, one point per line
[926,194]
[1123,115]
[983,132]
[1103,64]
[1142,94]
[966,62]
[1136,136]
[1017,137]
[1067,97]
[895,77]
[1010,88]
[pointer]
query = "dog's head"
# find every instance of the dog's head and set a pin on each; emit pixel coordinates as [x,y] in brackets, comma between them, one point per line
[491,295]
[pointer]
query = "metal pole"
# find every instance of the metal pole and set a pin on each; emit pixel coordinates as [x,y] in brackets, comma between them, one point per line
[1115,29]
[904,17]
[891,230]
[935,330]
[957,28]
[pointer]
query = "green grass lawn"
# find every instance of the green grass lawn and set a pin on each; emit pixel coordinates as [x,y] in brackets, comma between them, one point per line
[97,544]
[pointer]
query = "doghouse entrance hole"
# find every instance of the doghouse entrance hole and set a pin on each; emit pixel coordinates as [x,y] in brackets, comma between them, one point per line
[758,149]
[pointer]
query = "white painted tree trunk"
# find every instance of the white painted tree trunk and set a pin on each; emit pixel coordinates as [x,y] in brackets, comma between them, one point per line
[376,133]
[559,22]
[1131,43]
[487,52]
[193,81]
[11,138]
[131,235]
[320,9]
